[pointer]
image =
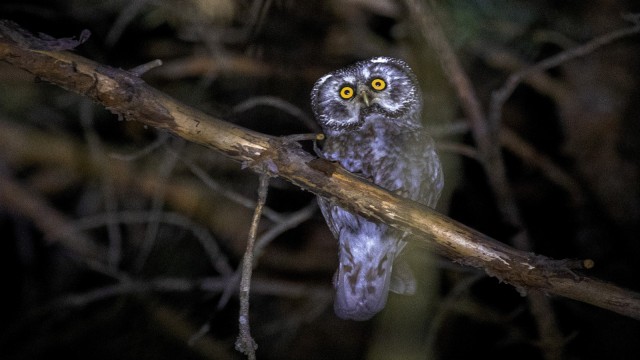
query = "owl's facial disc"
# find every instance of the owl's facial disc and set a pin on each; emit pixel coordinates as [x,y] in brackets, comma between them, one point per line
[379,88]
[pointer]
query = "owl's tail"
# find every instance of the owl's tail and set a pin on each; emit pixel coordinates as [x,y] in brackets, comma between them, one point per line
[364,275]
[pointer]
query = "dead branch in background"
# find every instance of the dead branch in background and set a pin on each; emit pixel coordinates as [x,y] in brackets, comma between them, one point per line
[127,95]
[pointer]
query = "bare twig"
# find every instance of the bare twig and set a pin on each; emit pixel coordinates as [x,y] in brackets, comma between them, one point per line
[97,154]
[199,65]
[208,243]
[552,340]
[55,226]
[280,104]
[126,94]
[229,194]
[303,137]
[288,222]
[177,322]
[458,148]
[515,144]
[454,128]
[505,60]
[208,284]
[500,96]
[444,308]
[124,18]
[162,138]
[522,149]
[164,172]
[143,68]
[245,342]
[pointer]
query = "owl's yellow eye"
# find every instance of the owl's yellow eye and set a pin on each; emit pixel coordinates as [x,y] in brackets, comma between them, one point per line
[347,92]
[378,84]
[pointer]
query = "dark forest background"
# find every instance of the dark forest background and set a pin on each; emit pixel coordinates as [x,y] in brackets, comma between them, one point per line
[169,219]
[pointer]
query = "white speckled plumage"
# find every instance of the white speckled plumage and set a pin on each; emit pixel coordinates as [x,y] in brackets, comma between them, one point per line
[376,134]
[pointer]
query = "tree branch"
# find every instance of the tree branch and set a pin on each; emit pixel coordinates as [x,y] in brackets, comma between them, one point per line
[245,342]
[126,95]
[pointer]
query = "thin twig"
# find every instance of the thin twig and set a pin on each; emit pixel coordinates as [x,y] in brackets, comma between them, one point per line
[162,138]
[454,128]
[245,343]
[216,284]
[290,221]
[303,137]
[98,156]
[143,68]
[552,340]
[500,96]
[125,17]
[208,243]
[521,148]
[277,103]
[55,225]
[228,193]
[157,203]
[506,60]
[458,148]
[444,307]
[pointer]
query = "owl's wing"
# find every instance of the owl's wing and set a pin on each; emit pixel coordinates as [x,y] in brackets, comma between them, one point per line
[423,182]
[402,279]
[328,211]
[426,159]
[338,218]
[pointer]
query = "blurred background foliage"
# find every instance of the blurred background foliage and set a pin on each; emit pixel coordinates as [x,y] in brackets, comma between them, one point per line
[120,241]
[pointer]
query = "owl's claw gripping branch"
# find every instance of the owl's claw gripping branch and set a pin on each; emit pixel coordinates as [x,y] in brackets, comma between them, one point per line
[137,101]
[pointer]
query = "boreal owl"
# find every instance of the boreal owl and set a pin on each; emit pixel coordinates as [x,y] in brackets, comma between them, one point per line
[370,113]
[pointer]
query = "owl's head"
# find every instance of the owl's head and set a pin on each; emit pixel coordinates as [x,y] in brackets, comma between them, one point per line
[382,86]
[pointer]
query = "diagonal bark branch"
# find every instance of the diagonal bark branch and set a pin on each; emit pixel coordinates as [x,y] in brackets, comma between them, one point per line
[127,95]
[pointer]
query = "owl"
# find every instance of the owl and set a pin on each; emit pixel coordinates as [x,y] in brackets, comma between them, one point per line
[370,113]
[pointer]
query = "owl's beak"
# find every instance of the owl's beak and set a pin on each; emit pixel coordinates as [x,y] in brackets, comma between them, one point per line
[365,97]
